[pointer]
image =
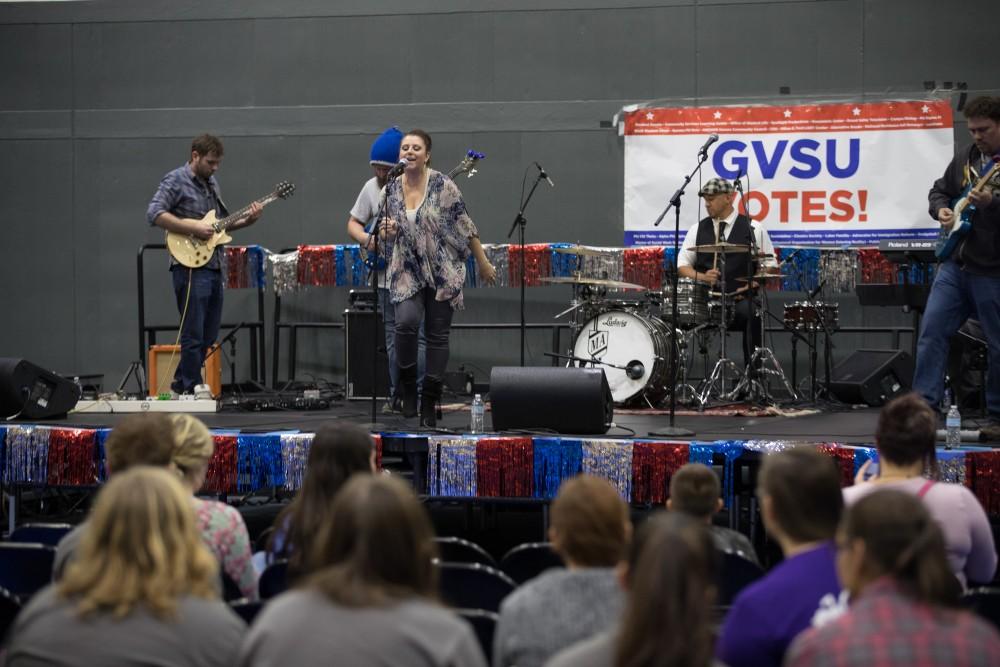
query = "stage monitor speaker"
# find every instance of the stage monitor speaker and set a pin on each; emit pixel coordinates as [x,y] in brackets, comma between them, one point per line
[872,376]
[565,400]
[31,392]
[358,341]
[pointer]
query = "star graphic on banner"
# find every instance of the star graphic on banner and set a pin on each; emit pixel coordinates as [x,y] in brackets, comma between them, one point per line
[717,115]
[788,113]
[856,111]
[925,108]
[649,115]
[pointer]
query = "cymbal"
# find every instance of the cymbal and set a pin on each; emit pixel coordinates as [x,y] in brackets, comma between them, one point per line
[721,247]
[582,250]
[597,282]
[763,276]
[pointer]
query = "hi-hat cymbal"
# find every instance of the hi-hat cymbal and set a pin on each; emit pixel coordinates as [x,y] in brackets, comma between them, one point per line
[763,276]
[597,282]
[581,250]
[721,247]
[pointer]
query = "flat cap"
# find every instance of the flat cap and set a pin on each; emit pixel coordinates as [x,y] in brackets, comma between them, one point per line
[716,186]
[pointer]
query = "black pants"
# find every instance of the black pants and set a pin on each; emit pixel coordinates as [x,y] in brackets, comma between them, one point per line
[436,316]
[742,312]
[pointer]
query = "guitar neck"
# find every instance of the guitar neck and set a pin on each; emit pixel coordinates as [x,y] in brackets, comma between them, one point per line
[233,218]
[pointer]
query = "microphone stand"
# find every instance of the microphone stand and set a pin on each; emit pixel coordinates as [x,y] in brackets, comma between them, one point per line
[675,201]
[382,215]
[519,223]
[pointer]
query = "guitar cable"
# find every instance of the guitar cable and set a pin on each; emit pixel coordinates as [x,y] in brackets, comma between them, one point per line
[180,328]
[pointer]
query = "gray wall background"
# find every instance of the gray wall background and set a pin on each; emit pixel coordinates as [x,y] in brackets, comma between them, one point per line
[99,100]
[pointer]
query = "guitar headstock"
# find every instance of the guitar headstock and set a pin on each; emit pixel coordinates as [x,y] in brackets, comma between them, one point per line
[468,164]
[284,189]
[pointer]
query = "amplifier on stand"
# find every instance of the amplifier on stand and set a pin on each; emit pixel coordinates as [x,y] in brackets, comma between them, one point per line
[358,341]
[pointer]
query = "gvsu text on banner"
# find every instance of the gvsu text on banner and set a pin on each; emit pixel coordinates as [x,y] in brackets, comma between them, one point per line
[820,174]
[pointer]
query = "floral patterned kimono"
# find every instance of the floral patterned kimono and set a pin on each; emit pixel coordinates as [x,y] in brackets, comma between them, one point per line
[432,250]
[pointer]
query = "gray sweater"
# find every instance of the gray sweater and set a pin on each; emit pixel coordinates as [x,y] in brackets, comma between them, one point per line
[206,633]
[558,608]
[303,627]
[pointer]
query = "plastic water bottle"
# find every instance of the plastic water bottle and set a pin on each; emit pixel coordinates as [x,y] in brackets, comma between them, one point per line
[953,427]
[79,387]
[478,414]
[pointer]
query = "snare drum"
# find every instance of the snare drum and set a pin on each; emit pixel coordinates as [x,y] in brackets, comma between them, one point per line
[692,303]
[639,344]
[803,316]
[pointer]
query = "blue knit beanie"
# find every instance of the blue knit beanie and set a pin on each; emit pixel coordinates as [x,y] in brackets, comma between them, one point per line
[385,150]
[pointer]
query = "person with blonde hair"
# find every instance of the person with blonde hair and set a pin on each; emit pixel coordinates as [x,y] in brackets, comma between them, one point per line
[141,590]
[590,529]
[371,596]
[221,526]
[904,596]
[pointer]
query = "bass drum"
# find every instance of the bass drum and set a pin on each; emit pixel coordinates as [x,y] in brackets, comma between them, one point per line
[639,344]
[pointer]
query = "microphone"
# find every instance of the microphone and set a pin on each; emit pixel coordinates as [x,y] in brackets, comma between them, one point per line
[541,172]
[812,294]
[737,182]
[791,256]
[712,138]
[635,370]
[398,169]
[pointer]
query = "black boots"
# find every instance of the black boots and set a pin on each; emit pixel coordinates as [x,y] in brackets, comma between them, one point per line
[408,389]
[428,401]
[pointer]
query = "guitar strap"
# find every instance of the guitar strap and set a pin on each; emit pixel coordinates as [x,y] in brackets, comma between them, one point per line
[220,205]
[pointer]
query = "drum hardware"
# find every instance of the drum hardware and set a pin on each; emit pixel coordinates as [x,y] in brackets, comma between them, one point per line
[584,250]
[722,248]
[762,276]
[725,367]
[599,282]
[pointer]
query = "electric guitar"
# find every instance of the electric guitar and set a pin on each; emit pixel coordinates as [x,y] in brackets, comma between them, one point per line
[950,237]
[193,252]
[466,166]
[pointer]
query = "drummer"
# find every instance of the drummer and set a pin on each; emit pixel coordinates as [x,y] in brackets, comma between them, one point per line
[724,225]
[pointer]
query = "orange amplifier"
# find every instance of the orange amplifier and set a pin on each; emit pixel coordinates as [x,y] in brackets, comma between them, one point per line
[162,363]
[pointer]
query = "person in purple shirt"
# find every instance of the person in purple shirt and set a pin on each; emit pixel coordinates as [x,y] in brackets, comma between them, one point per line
[801,505]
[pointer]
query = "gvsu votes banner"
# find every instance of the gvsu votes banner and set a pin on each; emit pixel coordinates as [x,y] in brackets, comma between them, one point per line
[819,174]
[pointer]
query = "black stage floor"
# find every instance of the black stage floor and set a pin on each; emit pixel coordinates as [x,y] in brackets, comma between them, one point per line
[829,424]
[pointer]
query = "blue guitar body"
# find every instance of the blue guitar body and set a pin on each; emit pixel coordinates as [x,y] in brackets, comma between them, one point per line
[950,237]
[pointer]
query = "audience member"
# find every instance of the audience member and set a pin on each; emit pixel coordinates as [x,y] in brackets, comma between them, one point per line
[221,526]
[337,452]
[144,438]
[669,580]
[140,591]
[589,530]
[370,596]
[695,491]
[800,504]
[891,557]
[905,438]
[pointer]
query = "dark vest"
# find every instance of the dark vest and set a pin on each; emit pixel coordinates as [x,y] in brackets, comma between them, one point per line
[736,263]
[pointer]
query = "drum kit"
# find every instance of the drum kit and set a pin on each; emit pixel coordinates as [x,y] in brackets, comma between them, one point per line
[625,328]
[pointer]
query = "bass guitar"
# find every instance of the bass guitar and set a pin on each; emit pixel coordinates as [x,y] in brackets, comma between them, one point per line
[467,166]
[193,252]
[950,237]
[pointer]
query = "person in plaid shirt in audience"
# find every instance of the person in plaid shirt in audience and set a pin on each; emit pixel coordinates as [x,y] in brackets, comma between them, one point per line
[904,597]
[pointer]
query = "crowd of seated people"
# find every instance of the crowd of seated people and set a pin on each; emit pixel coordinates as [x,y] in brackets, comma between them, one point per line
[871,574]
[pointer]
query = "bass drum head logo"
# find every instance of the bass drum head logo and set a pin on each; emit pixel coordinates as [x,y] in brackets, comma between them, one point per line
[597,343]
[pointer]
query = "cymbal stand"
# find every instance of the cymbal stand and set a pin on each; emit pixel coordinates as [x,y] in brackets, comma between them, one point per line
[685,391]
[724,364]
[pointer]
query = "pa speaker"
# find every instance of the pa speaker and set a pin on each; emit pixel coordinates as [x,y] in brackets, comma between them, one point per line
[872,376]
[359,341]
[565,400]
[29,391]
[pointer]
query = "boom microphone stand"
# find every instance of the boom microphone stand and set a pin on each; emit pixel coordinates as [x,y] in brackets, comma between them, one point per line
[675,202]
[519,224]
